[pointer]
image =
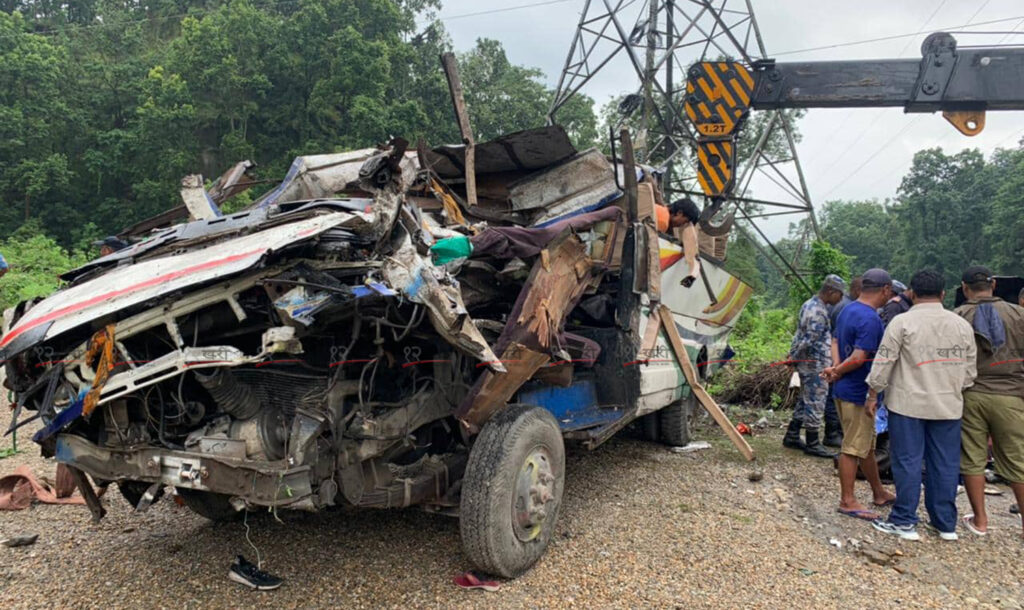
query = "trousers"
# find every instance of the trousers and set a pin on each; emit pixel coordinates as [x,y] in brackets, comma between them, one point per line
[810,406]
[935,443]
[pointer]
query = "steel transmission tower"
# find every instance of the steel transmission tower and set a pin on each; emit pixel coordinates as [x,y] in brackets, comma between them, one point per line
[656,41]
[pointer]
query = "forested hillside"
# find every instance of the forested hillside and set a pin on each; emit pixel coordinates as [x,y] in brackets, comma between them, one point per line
[106,105]
[951,211]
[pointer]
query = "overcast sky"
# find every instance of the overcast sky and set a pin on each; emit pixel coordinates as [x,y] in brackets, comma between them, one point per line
[846,153]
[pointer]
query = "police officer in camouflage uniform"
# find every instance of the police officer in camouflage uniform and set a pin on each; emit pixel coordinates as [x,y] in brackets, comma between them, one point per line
[809,354]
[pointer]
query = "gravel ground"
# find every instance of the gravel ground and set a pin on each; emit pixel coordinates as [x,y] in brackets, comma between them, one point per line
[640,527]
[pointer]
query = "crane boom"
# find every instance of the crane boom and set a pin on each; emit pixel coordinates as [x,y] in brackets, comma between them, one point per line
[962,83]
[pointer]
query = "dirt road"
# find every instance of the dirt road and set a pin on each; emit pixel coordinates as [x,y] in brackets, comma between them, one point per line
[641,527]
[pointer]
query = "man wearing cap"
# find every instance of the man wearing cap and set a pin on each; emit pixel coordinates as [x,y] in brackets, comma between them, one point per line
[833,428]
[810,353]
[994,406]
[109,245]
[901,302]
[858,334]
[924,382]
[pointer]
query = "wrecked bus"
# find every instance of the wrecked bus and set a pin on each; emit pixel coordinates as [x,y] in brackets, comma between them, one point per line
[308,352]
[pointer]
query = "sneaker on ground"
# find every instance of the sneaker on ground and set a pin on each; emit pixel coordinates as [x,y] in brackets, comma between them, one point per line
[906,532]
[248,574]
[944,535]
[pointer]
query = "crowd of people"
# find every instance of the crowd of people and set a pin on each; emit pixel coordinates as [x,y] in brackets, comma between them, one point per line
[881,360]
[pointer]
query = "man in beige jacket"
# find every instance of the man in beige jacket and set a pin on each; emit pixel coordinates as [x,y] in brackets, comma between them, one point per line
[925,361]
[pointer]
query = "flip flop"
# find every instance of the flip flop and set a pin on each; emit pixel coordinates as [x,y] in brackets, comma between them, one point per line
[862,514]
[884,504]
[968,521]
[469,580]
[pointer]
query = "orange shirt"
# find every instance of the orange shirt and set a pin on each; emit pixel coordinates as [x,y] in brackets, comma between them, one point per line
[661,218]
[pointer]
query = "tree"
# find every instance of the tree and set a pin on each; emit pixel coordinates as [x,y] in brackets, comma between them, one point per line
[863,230]
[943,204]
[742,262]
[1004,230]
[822,260]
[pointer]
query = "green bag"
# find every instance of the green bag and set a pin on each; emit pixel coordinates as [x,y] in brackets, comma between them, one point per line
[451,248]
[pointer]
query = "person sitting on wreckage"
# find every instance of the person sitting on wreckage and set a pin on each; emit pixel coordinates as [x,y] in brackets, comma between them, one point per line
[682,214]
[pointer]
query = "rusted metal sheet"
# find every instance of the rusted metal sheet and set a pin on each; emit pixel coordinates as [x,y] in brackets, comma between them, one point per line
[698,389]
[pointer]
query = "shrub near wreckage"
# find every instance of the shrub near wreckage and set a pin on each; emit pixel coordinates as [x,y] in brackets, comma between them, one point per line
[307,352]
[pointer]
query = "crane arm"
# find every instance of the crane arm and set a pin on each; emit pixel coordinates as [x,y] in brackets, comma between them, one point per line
[962,83]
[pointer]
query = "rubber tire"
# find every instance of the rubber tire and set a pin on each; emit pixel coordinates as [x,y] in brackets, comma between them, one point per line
[649,425]
[485,513]
[213,506]
[674,421]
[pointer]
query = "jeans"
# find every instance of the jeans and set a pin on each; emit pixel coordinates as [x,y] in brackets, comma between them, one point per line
[936,443]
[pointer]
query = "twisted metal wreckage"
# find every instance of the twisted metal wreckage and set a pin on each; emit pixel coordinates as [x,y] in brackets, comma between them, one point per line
[307,351]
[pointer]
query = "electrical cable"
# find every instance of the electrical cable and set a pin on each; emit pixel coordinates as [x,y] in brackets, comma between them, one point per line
[893,37]
[873,156]
[905,127]
[501,10]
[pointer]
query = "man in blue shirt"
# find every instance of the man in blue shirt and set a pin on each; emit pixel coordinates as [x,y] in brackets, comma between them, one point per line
[857,336]
[833,429]
[3,265]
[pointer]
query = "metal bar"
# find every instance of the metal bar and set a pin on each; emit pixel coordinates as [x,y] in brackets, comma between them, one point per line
[728,32]
[568,61]
[800,176]
[775,250]
[451,72]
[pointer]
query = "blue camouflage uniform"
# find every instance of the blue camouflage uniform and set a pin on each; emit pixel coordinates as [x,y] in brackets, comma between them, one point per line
[811,349]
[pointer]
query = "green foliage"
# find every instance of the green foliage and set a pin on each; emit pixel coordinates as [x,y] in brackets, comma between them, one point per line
[761,336]
[99,124]
[951,211]
[944,203]
[35,261]
[742,262]
[863,230]
[822,260]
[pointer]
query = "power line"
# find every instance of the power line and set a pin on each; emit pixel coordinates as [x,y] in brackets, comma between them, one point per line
[503,10]
[873,156]
[842,155]
[894,36]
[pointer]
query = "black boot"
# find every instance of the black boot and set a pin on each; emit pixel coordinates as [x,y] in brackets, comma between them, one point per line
[814,446]
[833,434]
[833,427]
[792,438]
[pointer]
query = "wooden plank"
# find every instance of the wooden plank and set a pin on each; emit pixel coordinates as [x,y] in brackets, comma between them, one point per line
[698,390]
[650,336]
[451,72]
